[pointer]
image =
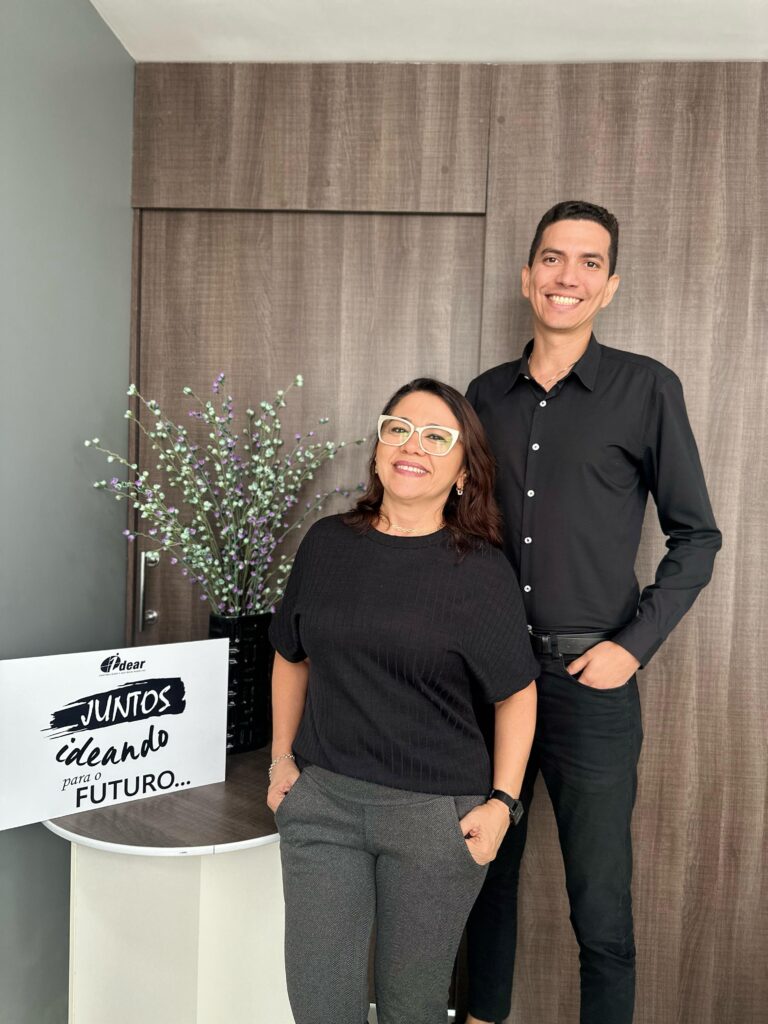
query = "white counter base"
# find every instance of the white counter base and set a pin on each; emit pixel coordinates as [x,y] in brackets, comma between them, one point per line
[177,940]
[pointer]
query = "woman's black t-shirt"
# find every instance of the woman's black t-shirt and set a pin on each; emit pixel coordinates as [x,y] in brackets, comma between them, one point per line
[401,636]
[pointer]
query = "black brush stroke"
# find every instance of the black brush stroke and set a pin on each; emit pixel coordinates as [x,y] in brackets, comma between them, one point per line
[68,719]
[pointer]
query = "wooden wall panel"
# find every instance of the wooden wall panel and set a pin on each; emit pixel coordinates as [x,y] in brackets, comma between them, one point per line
[371,137]
[358,304]
[678,152]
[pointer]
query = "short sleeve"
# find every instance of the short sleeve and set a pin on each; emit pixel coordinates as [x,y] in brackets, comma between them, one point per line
[284,631]
[498,650]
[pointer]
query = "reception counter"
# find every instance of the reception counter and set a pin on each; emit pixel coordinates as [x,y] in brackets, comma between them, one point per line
[176,907]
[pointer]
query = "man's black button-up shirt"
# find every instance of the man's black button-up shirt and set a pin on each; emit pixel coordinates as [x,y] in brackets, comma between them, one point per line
[575,466]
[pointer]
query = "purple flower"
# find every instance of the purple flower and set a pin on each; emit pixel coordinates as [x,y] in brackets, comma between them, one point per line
[174,560]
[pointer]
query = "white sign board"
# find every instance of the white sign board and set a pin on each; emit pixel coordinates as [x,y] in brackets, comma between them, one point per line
[79,731]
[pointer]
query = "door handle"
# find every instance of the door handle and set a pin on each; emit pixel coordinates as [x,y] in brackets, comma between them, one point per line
[146,615]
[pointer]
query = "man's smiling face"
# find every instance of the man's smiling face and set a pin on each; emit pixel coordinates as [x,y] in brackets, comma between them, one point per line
[568,282]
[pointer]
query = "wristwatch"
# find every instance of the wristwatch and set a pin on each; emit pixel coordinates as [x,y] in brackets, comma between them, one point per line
[516,808]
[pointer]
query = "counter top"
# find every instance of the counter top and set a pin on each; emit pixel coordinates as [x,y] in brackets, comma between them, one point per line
[227,816]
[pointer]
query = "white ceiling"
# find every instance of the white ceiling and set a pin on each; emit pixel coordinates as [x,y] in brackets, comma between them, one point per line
[438,30]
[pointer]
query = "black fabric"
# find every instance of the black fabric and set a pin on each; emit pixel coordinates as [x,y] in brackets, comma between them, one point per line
[587,747]
[576,465]
[402,637]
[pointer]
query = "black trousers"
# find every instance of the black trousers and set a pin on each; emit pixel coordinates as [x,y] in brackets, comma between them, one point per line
[586,747]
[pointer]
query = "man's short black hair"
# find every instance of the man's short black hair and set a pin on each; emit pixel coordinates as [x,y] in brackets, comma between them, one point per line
[576,209]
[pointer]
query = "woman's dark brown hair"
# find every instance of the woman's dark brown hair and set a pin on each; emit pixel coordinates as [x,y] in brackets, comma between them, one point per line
[471,518]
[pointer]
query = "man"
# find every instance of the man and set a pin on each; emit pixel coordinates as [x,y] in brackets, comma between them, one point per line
[582,433]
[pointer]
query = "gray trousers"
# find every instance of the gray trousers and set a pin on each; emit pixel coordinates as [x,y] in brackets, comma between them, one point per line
[352,851]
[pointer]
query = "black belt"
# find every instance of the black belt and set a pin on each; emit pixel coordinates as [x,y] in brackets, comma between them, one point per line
[567,643]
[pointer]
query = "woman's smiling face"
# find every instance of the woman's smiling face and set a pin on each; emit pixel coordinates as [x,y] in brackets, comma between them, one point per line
[409,474]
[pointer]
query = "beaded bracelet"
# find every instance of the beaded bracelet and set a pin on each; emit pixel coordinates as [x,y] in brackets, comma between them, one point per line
[282,757]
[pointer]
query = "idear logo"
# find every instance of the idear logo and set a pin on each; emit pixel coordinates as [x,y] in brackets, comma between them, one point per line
[114,664]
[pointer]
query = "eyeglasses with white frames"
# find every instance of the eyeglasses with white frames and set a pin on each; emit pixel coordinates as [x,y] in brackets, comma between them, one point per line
[433,439]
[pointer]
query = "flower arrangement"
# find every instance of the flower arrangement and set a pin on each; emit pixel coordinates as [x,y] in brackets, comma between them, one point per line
[237,495]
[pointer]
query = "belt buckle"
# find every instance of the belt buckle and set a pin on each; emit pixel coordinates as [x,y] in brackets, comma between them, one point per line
[546,641]
[549,644]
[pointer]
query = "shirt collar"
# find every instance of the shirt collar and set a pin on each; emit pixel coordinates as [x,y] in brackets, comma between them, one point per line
[585,369]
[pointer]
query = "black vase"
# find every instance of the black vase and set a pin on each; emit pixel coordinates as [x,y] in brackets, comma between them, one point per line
[249,706]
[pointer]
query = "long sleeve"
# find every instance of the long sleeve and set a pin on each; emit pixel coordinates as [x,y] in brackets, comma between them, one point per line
[675,479]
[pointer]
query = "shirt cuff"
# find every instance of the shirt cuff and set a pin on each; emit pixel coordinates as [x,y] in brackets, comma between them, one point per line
[640,639]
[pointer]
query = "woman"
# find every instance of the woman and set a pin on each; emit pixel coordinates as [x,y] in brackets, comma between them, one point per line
[397,616]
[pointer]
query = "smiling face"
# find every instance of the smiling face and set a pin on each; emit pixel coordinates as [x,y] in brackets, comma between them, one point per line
[407,473]
[568,282]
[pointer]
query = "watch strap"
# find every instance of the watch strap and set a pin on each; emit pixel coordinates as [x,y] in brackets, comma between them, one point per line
[515,807]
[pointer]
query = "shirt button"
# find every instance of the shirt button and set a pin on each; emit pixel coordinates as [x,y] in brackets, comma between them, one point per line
[527,540]
[542,403]
[534,447]
[531,493]
[527,588]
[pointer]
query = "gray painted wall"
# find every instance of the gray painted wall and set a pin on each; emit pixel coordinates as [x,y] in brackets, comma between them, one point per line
[66,98]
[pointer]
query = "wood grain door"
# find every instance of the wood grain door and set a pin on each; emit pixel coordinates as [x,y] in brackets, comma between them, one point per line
[358,304]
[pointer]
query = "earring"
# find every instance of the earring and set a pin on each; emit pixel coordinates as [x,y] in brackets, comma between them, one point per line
[459,490]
